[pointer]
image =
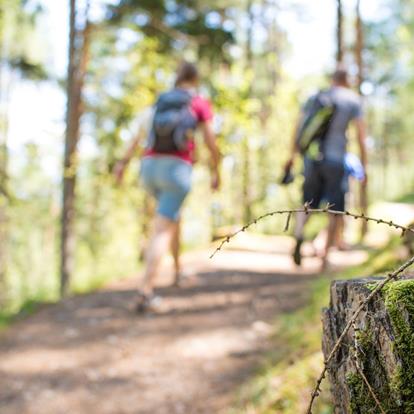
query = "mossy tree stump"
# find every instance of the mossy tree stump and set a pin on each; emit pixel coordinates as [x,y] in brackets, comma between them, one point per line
[380,345]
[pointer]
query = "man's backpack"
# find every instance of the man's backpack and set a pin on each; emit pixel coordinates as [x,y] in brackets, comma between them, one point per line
[173,123]
[315,124]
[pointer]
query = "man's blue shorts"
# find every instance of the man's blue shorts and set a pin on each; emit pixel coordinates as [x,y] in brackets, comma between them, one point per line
[168,179]
[324,181]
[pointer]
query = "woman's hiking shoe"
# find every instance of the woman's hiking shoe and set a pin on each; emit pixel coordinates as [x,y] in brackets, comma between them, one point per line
[297,256]
[177,280]
[184,279]
[147,303]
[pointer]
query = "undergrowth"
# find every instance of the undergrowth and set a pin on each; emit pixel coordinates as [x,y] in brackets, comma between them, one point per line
[30,306]
[80,286]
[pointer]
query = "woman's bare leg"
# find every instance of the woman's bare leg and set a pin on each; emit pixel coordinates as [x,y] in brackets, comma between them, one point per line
[158,246]
[175,251]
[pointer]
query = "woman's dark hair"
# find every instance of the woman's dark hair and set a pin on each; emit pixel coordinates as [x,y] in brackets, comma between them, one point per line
[187,72]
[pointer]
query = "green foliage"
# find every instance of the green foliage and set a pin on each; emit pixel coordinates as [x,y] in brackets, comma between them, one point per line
[32,248]
[18,38]
[177,24]
[389,59]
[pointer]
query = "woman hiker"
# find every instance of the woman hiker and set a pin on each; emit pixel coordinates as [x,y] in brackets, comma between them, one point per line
[166,168]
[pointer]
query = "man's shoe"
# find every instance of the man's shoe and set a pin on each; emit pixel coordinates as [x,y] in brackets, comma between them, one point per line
[297,257]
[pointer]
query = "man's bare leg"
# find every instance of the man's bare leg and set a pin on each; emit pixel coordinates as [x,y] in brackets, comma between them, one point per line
[340,242]
[158,246]
[319,242]
[339,233]
[330,240]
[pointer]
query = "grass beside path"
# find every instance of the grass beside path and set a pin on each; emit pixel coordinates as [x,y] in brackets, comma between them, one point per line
[285,380]
[29,307]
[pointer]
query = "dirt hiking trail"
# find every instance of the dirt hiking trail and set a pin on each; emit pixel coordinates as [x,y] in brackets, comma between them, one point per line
[89,354]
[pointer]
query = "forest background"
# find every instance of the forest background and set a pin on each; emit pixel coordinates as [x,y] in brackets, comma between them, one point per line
[259,59]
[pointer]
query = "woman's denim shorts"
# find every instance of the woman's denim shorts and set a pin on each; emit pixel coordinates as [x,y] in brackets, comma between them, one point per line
[168,179]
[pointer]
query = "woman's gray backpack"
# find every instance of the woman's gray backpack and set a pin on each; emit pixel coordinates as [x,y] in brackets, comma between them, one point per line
[173,123]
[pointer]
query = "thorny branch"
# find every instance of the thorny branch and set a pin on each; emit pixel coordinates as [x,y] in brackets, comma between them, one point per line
[307,210]
[391,276]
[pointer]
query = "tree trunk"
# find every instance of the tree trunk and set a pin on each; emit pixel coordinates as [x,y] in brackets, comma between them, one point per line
[359,46]
[379,351]
[4,201]
[247,208]
[339,32]
[78,53]
[272,76]
[246,196]
[4,127]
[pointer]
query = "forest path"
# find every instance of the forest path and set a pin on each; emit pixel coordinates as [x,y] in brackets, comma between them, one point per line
[90,354]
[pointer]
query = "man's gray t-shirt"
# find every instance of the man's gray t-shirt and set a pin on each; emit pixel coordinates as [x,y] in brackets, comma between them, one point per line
[348,108]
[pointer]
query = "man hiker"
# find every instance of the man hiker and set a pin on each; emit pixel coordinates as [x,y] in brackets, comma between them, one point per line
[166,169]
[321,138]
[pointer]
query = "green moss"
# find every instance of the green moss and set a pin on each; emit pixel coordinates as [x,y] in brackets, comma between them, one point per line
[364,339]
[372,286]
[397,395]
[373,365]
[361,401]
[399,301]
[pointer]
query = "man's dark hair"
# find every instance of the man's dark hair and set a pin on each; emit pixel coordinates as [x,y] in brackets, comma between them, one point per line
[340,76]
[187,72]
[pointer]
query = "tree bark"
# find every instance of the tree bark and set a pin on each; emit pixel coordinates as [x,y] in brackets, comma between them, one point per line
[380,348]
[78,53]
